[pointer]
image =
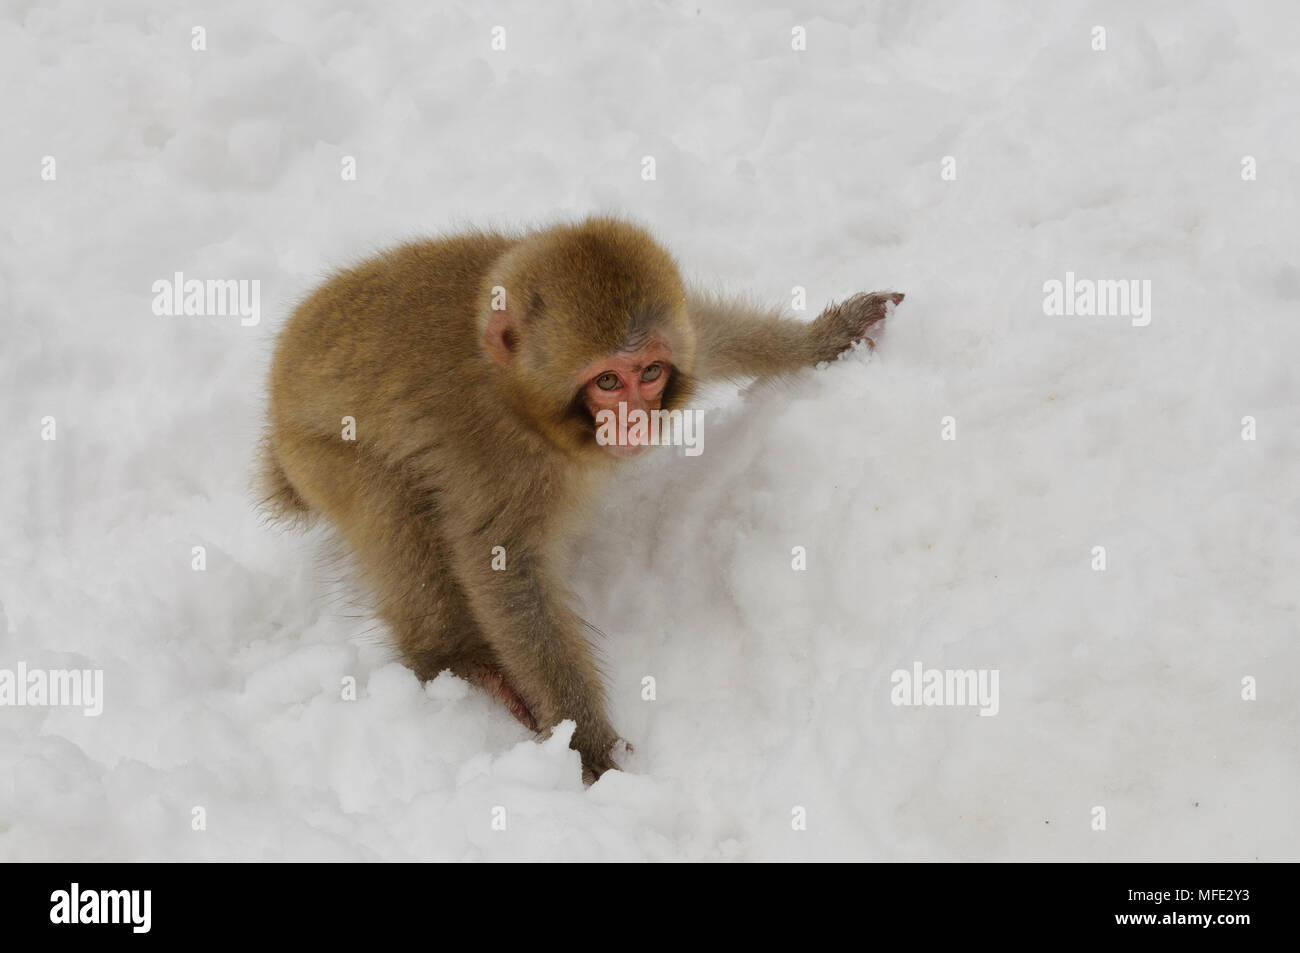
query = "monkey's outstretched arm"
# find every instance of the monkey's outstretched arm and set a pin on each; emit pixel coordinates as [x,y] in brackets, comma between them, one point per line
[735,340]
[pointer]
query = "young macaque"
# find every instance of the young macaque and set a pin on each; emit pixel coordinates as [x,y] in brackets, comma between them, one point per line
[473,368]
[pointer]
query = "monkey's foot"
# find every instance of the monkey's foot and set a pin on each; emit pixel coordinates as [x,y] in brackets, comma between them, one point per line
[495,684]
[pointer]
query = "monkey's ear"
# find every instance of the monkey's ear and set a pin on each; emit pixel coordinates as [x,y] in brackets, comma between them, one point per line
[501,338]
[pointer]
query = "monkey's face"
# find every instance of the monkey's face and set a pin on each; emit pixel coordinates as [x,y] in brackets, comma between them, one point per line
[588,321]
[623,388]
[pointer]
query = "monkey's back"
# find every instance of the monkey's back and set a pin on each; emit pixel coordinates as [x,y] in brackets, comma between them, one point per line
[368,333]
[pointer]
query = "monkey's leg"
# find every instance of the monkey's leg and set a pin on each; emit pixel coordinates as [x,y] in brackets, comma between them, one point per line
[539,640]
[495,684]
[394,534]
[278,495]
[738,340]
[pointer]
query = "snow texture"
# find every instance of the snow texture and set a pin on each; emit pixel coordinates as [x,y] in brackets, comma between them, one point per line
[822,168]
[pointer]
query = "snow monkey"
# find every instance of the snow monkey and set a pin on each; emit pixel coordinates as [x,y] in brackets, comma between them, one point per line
[470,370]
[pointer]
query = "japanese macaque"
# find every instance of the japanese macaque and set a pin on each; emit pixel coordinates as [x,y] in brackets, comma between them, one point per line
[471,370]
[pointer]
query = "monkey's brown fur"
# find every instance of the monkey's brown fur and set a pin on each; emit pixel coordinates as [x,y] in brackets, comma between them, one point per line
[454,455]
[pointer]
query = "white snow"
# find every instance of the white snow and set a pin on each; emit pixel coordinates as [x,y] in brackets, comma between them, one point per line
[1120,689]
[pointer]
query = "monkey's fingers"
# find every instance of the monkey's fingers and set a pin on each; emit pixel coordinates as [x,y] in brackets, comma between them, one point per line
[612,760]
[839,326]
[868,310]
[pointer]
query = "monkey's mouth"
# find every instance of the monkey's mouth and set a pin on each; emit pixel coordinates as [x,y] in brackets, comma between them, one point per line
[585,430]
[627,451]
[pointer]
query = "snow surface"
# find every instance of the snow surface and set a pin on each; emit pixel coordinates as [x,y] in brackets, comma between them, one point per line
[1120,689]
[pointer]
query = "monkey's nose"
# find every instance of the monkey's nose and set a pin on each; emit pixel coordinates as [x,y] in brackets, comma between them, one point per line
[637,432]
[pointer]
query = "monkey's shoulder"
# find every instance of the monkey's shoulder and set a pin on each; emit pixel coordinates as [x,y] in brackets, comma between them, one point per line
[453,267]
[420,294]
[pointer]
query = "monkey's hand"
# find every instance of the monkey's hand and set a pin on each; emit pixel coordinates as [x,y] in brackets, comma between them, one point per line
[840,325]
[604,758]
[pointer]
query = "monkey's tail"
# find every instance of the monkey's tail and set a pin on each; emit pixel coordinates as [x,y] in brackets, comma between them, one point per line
[277,496]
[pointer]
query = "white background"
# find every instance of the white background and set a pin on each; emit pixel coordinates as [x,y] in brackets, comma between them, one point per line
[776,168]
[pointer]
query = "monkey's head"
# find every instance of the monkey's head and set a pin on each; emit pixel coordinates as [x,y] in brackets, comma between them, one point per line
[583,318]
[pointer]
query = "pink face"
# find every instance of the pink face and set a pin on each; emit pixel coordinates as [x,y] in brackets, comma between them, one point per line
[635,378]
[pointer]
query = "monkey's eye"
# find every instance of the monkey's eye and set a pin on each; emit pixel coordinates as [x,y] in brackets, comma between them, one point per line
[652,373]
[607,381]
